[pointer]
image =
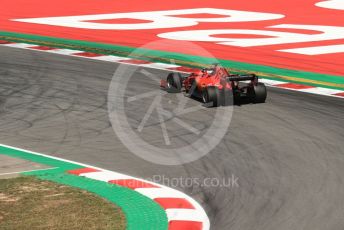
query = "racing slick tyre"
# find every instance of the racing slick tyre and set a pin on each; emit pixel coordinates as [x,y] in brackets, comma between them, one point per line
[227,97]
[211,96]
[260,93]
[174,82]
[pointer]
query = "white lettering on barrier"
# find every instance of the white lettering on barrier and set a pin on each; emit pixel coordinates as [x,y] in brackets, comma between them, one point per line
[174,19]
[331,4]
[156,19]
[273,37]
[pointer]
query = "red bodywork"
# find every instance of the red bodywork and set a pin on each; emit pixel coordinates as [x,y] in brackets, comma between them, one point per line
[215,77]
[217,86]
[218,77]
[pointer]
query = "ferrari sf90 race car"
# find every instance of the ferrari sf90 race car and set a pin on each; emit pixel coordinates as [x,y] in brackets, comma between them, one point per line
[215,86]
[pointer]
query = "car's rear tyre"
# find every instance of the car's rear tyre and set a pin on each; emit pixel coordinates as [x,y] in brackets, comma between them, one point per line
[174,82]
[227,97]
[211,96]
[260,93]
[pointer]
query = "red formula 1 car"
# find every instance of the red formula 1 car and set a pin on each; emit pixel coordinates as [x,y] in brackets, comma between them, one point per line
[217,87]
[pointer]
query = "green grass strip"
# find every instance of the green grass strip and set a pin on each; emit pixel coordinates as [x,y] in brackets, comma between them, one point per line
[301,77]
[141,212]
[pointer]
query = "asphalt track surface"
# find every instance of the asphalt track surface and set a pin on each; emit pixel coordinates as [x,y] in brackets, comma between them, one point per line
[288,154]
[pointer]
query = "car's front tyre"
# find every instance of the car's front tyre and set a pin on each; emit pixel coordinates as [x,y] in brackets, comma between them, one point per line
[211,96]
[174,82]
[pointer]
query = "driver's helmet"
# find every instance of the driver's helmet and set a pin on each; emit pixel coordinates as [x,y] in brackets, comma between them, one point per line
[212,69]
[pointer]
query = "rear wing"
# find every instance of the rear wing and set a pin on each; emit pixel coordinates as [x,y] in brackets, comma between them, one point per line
[245,77]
